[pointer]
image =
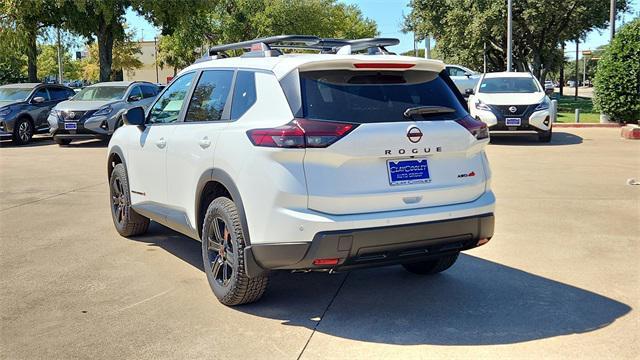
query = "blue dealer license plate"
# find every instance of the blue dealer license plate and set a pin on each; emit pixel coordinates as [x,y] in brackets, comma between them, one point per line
[405,172]
[513,121]
[70,126]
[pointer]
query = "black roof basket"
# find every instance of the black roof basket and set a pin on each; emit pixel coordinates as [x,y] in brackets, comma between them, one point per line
[268,46]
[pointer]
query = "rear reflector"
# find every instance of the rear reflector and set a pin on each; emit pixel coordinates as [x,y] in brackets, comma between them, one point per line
[333,261]
[477,128]
[482,241]
[377,65]
[301,133]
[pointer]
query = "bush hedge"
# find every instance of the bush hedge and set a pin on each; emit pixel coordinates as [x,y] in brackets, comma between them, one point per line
[617,81]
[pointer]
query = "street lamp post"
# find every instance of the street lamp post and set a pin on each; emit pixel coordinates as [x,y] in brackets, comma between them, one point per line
[509,46]
[59,58]
[612,19]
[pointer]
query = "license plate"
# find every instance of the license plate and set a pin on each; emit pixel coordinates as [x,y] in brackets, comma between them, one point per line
[70,126]
[512,121]
[405,172]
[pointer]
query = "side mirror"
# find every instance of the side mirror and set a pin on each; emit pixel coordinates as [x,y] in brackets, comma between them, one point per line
[134,98]
[549,91]
[134,116]
[467,74]
[37,100]
[468,92]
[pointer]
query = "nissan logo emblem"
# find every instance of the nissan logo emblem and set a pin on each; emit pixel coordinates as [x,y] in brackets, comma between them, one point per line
[513,109]
[414,134]
[72,114]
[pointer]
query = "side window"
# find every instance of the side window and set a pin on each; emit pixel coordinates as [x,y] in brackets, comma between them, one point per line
[43,93]
[58,93]
[70,93]
[167,107]
[135,91]
[210,96]
[149,91]
[454,71]
[244,93]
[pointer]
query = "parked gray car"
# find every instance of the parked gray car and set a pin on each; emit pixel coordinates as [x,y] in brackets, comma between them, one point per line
[24,109]
[96,111]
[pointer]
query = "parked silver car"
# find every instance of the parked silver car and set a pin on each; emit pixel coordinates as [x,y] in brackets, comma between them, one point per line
[96,111]
[463,77]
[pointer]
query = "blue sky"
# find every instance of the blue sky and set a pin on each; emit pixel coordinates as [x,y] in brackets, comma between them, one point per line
[388,14]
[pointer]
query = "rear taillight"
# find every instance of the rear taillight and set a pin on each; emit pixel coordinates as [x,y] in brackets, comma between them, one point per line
[301,133]
[476,127]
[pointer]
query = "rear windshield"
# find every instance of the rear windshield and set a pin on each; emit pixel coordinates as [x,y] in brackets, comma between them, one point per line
[371,96]
[509,85]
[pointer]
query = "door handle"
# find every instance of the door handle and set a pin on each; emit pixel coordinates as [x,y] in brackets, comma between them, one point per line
[205,142]
[161,143]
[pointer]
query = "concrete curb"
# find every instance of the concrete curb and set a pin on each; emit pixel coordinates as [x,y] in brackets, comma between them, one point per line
[631,132]
[585,125]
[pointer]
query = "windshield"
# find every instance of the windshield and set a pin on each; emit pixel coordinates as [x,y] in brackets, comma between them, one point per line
[508,85]
[376,96]
[101,93]
[14,94]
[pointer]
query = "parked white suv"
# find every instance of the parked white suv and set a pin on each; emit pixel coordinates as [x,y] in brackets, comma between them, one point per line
[306,162]
[512,101]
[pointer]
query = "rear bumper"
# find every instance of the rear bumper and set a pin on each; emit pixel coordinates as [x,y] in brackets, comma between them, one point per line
[372,246]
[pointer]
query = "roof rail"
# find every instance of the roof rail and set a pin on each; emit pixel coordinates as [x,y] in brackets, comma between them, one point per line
[268,46]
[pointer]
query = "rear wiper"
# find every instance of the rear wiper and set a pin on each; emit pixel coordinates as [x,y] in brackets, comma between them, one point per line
[427,110]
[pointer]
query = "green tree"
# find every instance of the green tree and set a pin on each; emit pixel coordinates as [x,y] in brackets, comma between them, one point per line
[239,20]
[12,61]
[103,21]
[48,63]
[124,57]
[463,27]
[29,18]
[617,82]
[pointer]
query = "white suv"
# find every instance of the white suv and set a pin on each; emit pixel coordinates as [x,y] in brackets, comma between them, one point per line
[308,162]
[512,101]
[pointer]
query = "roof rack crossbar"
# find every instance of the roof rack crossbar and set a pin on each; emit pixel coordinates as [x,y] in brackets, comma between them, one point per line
[294,39]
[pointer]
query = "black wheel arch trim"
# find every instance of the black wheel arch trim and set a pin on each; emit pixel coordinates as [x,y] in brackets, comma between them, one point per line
[222,177]
[117,151]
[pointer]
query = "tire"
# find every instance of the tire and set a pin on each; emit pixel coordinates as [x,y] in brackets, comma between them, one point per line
[62,142]
[433,266]
[126,220]
[545,136]
[223,256]
[22,131]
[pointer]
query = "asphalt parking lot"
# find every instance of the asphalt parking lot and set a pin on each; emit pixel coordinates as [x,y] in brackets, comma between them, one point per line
[561,277]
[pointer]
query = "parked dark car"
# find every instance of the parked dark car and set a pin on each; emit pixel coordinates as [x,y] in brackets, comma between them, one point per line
[24,109]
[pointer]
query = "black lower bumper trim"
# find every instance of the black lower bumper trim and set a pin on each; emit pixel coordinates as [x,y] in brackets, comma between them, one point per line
[372,247]
[79,136]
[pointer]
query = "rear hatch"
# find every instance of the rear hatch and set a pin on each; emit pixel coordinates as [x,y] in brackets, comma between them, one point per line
[390,158]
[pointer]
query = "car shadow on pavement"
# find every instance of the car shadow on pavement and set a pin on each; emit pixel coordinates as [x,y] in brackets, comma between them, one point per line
[531,139]
[35,141]
[476,302]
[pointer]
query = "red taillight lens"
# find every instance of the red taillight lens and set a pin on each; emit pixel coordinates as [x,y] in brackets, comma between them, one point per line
[476,127]
[301,133]
[321,262]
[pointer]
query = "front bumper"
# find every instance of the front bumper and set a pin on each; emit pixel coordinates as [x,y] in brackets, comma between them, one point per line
[372,246]
[93,127]
[531,120]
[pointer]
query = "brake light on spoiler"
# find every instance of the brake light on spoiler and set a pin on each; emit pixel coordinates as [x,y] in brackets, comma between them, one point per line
[301,133]
[381,65]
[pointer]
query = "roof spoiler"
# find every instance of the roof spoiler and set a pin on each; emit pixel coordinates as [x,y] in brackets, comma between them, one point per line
[270,46]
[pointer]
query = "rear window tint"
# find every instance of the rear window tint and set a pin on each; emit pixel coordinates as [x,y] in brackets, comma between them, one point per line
[373,96]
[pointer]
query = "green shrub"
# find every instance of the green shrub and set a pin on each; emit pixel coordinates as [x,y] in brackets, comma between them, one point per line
[617,82]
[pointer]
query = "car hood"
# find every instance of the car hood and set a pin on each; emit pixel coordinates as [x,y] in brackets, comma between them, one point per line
[4,103]
[511,98]
[81,105]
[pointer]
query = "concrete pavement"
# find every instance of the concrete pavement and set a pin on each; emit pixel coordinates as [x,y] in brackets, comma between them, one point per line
[559,279]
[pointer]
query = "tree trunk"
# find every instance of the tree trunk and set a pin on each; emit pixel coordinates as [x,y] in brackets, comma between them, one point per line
[117,75]
[537,65]
[32,55]
[105,51]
